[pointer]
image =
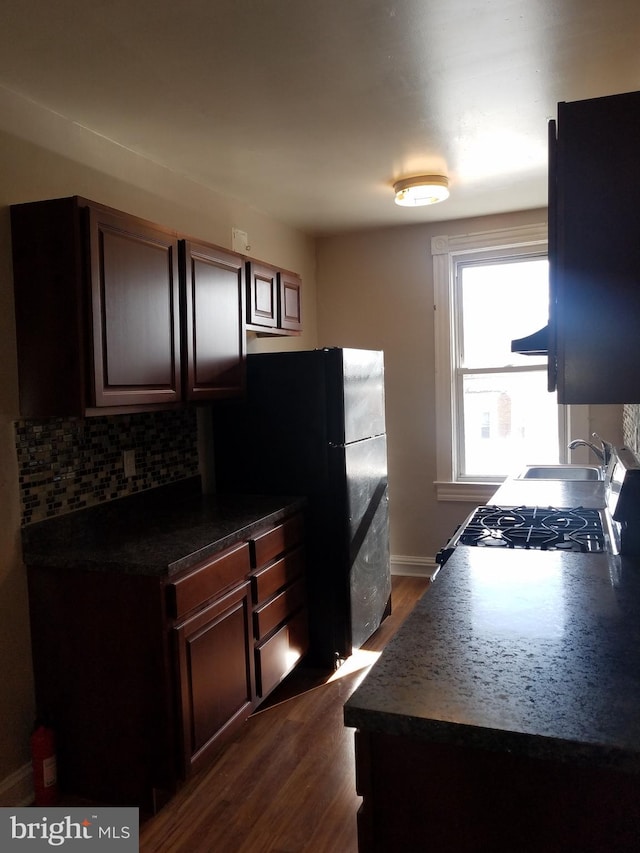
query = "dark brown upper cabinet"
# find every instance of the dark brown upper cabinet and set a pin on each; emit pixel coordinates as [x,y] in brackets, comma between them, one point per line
[100,323]
[273,300]
[134,306]
[213,323]
[594,250]
[289,302]
[262,296]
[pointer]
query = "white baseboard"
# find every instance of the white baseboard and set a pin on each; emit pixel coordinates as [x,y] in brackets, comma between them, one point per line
[417,567]
[16,790]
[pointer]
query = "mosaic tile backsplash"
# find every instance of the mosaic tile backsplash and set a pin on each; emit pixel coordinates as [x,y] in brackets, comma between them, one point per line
[68,464]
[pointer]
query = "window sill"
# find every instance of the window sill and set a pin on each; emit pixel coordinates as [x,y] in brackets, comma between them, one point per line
[475,493]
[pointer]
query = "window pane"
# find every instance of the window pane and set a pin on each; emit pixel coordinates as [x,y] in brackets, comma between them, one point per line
[510,420]
[500,302]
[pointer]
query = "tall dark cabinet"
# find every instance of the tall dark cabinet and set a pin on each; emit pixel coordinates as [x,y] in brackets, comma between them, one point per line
[594,245]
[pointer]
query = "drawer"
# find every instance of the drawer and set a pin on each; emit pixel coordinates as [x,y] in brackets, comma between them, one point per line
[278,656]
[268,581]
[267,617]
[276,541]
[208,579]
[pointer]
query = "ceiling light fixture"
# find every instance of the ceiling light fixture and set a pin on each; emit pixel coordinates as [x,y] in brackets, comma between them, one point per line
[423,189]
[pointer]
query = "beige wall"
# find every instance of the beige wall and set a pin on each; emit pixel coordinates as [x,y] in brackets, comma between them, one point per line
[77,162]
[375,289]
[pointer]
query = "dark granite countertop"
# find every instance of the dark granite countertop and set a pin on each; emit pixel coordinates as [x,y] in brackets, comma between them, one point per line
[159,532]
[530,652]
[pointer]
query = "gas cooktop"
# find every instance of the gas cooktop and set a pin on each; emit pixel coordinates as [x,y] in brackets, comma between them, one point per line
[614,529]
[543,528]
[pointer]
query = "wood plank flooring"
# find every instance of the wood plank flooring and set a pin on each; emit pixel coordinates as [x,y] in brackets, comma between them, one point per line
[286,783]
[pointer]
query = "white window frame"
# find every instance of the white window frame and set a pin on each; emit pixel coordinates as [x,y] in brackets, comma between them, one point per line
[446,251]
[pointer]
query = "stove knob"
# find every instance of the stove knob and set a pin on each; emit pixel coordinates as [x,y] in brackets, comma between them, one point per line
[443,555]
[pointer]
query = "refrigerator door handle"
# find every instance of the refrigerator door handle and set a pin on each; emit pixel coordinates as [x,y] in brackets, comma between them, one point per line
[333,445]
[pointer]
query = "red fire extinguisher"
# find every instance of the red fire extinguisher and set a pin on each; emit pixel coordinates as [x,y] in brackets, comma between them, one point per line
[43,760]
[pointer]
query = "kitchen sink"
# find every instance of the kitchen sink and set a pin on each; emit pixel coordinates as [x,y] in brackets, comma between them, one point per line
[561,472]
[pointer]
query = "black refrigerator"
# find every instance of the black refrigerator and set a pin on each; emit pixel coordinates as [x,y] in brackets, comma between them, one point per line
[313,424]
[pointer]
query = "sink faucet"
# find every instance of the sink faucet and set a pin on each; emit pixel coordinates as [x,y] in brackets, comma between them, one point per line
[603,452]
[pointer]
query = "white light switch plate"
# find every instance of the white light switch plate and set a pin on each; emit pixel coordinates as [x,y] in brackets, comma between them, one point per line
[240,241]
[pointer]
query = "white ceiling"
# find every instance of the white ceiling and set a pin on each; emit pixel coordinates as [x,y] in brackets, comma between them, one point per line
[310,109]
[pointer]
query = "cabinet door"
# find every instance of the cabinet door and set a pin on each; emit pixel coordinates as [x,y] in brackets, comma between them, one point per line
[135,311]
[597,308]
[289,302]
[115,723]
[262,296]
[48,290]
[214,330]
[215,674]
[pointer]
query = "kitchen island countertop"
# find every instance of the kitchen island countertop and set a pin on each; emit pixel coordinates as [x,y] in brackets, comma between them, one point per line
[527,652]
[159,532]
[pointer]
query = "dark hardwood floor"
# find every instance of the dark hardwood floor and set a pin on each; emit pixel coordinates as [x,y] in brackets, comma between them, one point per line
[286,783]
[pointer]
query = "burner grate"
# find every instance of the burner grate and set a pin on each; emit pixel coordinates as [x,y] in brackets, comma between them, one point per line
[539,528]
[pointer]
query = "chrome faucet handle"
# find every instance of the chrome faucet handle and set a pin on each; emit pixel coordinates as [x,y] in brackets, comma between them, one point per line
[607,448]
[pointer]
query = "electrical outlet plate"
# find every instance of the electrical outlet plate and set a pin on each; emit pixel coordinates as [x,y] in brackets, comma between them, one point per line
[129,463]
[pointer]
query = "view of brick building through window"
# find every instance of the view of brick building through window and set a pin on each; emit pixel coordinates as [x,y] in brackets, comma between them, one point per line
[506,417]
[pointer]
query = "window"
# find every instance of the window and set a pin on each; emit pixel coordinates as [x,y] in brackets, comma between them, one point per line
[494,413]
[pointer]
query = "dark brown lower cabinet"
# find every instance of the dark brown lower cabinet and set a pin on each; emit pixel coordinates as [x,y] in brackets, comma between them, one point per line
[279,597]
[419,795]
[103,681]
[143,678]
[215,674]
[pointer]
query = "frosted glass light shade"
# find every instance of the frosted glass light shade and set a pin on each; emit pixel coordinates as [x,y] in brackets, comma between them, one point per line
[423,189]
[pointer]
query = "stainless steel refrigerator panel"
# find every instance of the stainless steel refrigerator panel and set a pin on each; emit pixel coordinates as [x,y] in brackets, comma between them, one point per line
[368,519]
[304,430]
[355,389]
